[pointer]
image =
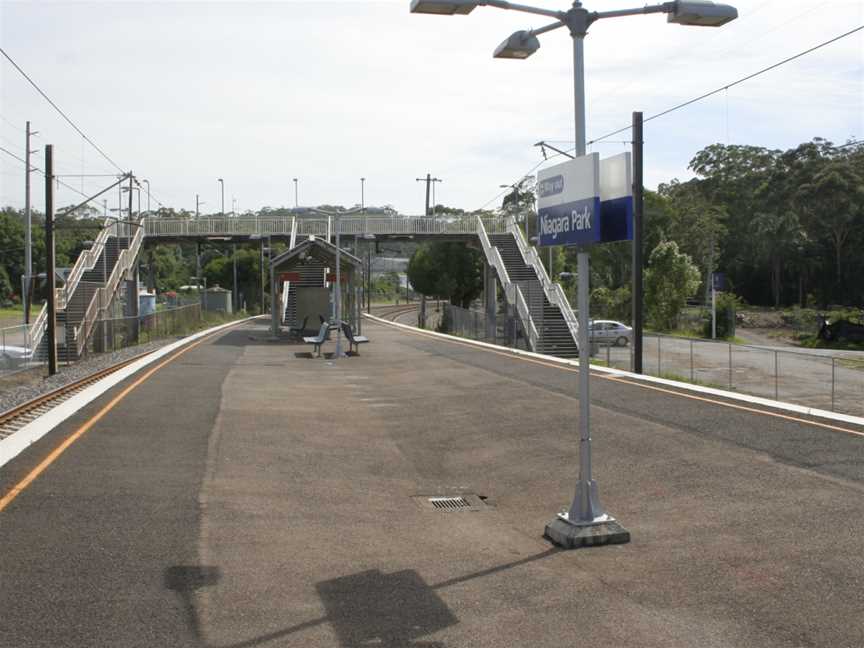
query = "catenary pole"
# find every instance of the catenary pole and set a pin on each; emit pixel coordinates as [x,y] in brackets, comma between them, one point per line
[638,216]
[51,324]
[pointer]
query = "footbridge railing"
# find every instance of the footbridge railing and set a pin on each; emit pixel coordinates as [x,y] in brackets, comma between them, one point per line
[355,225]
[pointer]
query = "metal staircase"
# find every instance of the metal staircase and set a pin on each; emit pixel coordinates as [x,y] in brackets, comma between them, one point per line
[541,305]
[90,290]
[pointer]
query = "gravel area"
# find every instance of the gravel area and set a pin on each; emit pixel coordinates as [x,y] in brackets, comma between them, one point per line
[22,386]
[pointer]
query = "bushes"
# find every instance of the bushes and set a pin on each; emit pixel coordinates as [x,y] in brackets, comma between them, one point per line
[727,306]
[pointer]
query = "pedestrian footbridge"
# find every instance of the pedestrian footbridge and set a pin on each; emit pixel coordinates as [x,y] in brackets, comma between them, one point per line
[513,270]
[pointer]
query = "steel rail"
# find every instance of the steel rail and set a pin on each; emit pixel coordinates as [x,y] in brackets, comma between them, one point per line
[16,418]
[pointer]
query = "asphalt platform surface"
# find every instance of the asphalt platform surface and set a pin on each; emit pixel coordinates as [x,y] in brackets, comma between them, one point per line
[249,495]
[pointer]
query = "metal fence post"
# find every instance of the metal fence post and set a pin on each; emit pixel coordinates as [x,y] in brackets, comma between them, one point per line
[730,365]
[658,355]
[692,375]
[608,355]
[776,375]
[833,365]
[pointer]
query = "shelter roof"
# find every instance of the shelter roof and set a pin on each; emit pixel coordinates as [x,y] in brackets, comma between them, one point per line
[318,249]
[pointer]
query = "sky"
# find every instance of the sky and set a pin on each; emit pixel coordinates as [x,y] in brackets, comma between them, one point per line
[183,93]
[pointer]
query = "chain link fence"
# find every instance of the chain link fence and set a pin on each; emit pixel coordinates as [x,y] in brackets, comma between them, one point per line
[120,332]
[831,380]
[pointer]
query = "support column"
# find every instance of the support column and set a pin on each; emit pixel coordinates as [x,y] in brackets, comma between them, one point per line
[132,304]
[490,298]
[274,310]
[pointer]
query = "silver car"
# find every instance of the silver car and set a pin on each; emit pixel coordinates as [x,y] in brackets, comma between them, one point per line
[610,332]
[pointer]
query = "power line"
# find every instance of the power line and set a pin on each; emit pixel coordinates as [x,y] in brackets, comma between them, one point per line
[734,83]
[38,170]
[699,98]
[57,108]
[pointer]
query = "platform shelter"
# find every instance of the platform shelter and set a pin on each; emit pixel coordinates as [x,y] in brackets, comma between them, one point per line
[303,286]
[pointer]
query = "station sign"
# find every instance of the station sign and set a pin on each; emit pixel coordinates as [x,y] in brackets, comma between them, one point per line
[568,202]
[586,201]
[616,198]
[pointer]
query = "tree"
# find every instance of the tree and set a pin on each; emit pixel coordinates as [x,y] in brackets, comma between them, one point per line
[670,280]
[447,269]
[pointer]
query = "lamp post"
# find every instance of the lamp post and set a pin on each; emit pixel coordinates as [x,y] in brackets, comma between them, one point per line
[296,204]
[585,511]
[148,195]
[335,216]
[222,184]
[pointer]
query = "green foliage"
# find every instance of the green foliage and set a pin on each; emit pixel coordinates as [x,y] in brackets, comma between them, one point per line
[451,270]
[616,304]
[386,286]
[727,307]
[671,278]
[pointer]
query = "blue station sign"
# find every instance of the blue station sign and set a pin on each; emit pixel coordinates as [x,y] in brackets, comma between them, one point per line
[568,202]
[586,201]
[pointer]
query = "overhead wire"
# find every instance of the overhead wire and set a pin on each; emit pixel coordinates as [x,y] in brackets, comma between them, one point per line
[38,170]
[695,100]
[57,108]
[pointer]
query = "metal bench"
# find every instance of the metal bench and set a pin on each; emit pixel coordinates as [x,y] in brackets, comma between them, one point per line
[354,341]
[319,339]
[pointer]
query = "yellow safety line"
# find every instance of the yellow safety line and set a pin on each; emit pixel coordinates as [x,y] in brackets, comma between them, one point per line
[636,383]
[54,454]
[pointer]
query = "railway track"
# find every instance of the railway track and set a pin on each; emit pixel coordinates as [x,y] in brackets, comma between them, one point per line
[16,418]
[394,313]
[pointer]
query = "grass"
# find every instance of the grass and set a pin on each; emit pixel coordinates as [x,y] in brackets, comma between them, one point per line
[668,375]
[814,342]
[14,311]
[695,335]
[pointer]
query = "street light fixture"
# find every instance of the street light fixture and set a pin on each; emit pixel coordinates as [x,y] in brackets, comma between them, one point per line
[520,45]
[585,511]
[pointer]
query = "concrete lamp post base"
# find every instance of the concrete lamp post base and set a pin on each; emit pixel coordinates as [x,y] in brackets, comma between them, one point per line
[572,535]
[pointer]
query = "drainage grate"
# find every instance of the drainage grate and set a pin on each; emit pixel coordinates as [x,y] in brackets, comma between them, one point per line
[455,502]
[449,503]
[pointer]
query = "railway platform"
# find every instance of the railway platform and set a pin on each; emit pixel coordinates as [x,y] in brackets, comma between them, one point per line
[245,494]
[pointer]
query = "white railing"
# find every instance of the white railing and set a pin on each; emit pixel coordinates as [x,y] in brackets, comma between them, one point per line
[101,298]
[524,313]
[321,227]
[553,291]
[512,291]
[293,234]
[87,260]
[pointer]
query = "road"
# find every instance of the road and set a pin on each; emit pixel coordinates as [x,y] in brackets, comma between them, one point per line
[248,495]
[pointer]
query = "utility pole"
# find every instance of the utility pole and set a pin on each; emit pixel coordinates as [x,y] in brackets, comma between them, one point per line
[51,324]
[28,231]
[429,180]
[148,196]
[638,215]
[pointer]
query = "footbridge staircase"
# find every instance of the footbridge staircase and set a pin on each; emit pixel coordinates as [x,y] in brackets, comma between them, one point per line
[540,304]
[91,290]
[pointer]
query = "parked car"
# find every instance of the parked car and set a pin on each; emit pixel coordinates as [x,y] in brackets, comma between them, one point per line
[610,332]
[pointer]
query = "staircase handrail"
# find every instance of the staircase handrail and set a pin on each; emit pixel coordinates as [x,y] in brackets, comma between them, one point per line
[512,291]
[293,233]
[493,254]
[87,260]
[553,291]
[103,295]
[524,315]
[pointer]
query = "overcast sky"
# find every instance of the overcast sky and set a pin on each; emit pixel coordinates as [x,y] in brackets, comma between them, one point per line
[329,92]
